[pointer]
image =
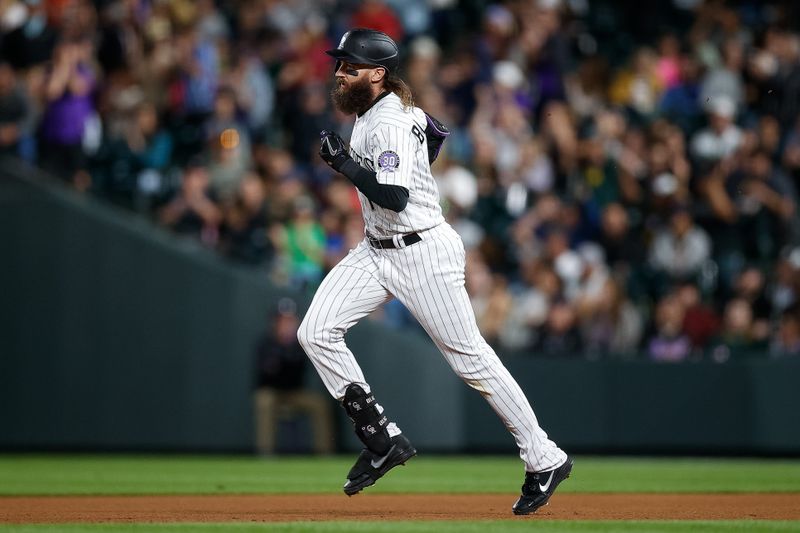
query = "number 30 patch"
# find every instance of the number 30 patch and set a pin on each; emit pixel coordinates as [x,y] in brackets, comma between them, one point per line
[388,161]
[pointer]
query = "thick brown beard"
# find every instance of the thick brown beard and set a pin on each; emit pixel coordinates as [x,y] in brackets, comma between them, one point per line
[355,99]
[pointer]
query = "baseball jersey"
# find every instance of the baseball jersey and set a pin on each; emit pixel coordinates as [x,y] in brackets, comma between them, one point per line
[390,140]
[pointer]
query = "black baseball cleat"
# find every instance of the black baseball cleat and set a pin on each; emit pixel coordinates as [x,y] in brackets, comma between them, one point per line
[370,467]
[539,486]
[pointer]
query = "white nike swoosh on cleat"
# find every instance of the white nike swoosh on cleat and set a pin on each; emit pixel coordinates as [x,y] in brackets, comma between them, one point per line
[546,486]
[379,463]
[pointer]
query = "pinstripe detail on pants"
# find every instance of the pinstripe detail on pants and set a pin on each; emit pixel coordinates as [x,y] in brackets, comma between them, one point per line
[428,278]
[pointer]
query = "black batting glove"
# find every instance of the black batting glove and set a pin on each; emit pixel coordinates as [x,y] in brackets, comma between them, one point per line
[333,150]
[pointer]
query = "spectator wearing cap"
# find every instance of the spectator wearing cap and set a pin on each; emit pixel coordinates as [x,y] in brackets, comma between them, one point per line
[720,139]
[280,391]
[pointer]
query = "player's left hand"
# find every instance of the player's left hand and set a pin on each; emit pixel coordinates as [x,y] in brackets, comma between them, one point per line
[333,150]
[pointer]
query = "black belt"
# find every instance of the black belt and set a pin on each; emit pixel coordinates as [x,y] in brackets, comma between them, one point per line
[408,239]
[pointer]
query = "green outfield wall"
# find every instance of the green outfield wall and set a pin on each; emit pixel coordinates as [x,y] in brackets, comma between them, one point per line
[115,335]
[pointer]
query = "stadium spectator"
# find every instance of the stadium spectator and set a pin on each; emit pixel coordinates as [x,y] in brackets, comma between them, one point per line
[750,286]
[700,321]
[724,80]
[530,304]
[560,334]
[69,122]
[720,139]
[29,43]
[669,343]
[787,340]
[680,102]
[613,326]
[682,248]
[737,338]
[132,163]
[15,112]
[301,245]
[245,231]
[638,86]
[229,144]
[193,211]
[280,384]
[489,296]
[623,252]
[378,15]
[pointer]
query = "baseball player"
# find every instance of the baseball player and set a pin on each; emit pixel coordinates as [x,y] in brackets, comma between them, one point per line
[410,253]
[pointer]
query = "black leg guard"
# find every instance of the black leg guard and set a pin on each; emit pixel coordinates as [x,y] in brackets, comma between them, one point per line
[369,421]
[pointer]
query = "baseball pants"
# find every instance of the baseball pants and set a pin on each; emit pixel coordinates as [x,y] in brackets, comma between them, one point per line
[428,278]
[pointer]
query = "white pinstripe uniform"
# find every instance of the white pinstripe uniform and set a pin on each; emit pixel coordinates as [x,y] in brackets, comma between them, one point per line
[427,277]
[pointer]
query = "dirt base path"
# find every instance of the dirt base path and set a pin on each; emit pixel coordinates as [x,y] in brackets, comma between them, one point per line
[285,508]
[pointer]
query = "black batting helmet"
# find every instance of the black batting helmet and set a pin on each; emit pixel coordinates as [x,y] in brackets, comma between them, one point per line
[367,47]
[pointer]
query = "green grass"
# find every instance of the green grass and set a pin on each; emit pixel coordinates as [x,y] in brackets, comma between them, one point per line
[422,527]
[79,474]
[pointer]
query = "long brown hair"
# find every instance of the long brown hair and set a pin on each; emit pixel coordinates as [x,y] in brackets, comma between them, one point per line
[395,84]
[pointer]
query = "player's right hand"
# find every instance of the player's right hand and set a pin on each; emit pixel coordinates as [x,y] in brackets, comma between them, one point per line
[333,150]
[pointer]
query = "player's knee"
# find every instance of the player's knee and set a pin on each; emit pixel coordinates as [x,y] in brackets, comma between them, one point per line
[311,337]
[305,336]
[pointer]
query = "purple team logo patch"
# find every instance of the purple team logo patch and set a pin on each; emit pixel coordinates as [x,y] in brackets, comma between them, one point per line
[388,161]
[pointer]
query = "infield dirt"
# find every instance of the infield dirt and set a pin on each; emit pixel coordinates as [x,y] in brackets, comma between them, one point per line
[286,508]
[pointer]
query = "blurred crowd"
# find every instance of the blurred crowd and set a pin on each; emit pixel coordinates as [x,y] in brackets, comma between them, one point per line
[625,183]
